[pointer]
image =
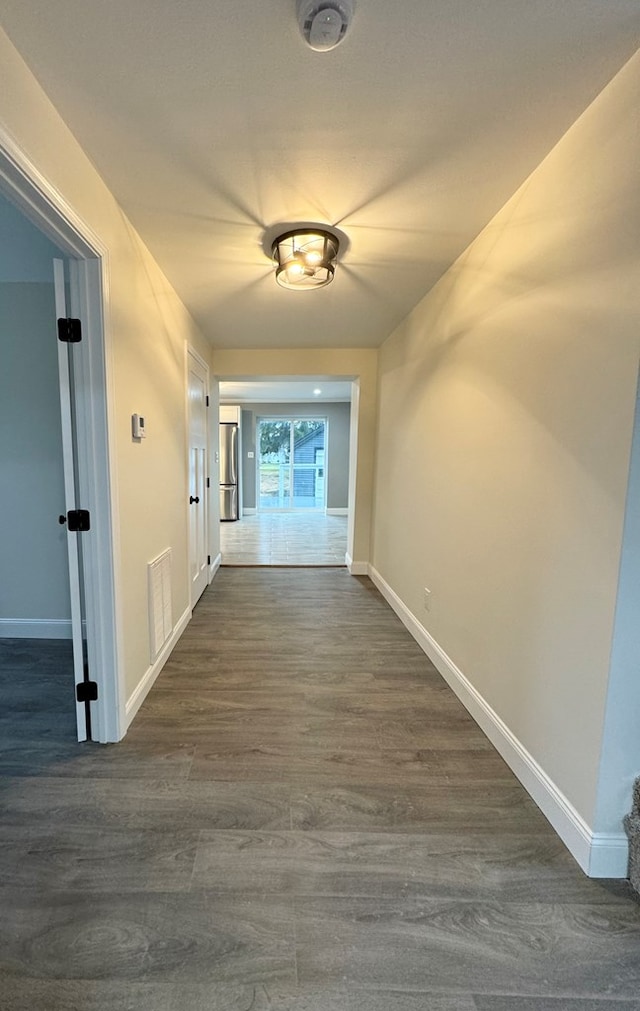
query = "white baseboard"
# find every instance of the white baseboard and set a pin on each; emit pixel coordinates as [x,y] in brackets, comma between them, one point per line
[600,855]
[215,565]
[337,512]
[249,512]
[609,856]
[356,568]
[140,693]
[35,628]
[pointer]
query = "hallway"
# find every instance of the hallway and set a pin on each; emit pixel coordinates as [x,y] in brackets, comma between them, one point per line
[302,818]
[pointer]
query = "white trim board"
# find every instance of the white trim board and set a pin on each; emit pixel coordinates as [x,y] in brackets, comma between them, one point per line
[600,855]
[249,511]
[141,691]
[215,565]
[337,512]
[35,628]
[356,568]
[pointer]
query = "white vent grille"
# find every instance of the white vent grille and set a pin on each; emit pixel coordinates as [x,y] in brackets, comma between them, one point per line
[160,617]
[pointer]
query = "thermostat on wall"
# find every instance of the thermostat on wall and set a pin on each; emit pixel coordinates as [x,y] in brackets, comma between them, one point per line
[137,426]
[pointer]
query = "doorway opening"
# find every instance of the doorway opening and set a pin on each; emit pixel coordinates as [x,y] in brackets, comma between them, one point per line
[89,516]
[297,439]
[36,655]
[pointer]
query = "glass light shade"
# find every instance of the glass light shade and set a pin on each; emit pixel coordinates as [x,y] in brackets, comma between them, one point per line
[305,259]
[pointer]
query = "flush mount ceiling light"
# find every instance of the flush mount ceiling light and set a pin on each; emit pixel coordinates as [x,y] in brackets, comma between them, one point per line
[305,257]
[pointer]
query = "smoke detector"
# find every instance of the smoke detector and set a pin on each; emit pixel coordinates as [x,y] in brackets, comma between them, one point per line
[324,23]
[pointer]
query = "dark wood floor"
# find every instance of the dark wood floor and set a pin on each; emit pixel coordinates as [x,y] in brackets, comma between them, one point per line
[302,818]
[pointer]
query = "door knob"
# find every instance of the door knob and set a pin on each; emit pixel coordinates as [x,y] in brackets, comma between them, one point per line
[192,499]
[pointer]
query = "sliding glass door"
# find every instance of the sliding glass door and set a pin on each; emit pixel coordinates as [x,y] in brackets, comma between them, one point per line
[291,471]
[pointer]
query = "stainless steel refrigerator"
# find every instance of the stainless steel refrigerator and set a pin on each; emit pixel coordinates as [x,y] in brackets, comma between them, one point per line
[229,504]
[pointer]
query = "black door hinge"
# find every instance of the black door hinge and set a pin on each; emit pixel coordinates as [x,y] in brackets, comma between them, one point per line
[208,483]
[206,399]
[87,691]
[70,331]
[208,559]
[78,520]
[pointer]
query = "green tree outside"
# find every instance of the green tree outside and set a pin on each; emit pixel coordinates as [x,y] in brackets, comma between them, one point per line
[275,436]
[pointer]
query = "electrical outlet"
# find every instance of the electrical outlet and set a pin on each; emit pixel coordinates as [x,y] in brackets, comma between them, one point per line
[427,599]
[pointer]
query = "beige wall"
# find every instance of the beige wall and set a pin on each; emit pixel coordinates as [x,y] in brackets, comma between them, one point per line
[147,328]
[353,363]
[506,415]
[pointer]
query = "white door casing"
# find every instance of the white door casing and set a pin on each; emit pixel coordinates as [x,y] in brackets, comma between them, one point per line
[197,395]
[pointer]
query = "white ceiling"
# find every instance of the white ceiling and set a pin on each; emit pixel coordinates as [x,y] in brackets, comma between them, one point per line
[269,391]
[212,122]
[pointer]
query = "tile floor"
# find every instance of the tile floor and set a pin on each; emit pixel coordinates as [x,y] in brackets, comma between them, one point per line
[280,538]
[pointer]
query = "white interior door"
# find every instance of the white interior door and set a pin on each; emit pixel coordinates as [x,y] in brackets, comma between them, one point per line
[197,387]
[65,370]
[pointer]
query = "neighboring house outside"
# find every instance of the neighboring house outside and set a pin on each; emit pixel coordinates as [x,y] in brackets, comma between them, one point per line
[308,468]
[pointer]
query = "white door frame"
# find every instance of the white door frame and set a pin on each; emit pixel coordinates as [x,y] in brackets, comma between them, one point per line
[28,189]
